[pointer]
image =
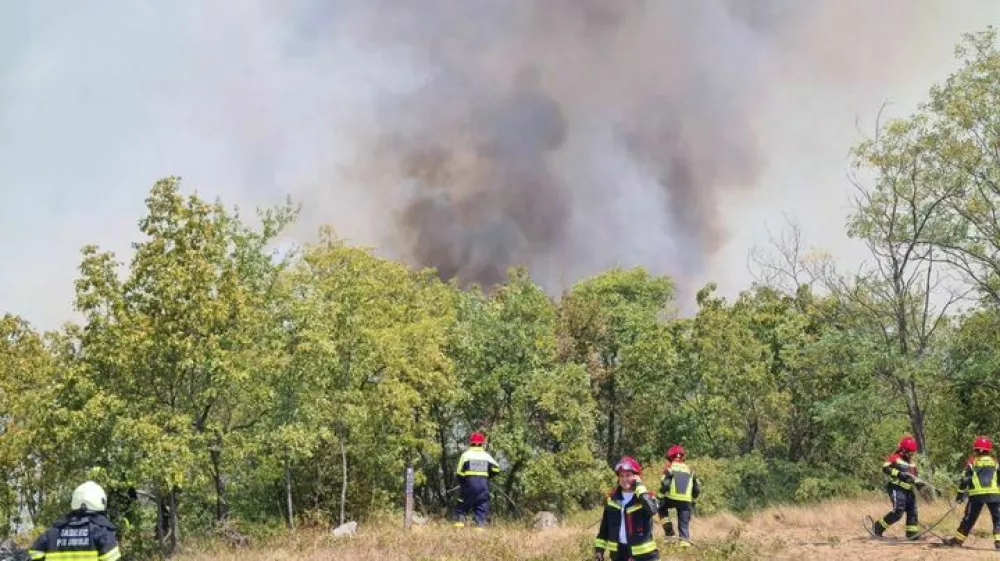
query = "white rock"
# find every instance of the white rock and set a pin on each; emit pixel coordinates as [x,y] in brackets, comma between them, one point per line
[345,530]
[545,519]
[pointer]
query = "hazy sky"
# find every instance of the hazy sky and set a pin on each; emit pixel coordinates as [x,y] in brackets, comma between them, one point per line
[252,104]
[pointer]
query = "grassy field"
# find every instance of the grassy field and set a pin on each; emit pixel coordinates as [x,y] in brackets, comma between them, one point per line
[824,531]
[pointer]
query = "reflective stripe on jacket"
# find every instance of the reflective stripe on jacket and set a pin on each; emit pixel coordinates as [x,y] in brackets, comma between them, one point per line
[638,514]
[895,465]
[980,477]
[679,484]
[81,536]
[476,462]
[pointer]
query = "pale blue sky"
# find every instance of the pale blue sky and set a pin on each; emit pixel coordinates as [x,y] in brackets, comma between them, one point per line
[97,103]
[254,103]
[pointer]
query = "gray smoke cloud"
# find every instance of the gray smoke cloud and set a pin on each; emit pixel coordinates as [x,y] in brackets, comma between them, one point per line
[568,135]
[532,115]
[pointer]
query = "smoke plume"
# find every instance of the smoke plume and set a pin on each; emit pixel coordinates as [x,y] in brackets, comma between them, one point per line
[567,135]
[470,135]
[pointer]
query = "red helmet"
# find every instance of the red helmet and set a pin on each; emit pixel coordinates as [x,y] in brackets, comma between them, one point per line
[674,451]
[982,443]
[628,463]
[908,444]
[477,439]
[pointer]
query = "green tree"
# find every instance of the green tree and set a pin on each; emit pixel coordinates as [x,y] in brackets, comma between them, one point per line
[898,298]
[601,319]
[732,387]
[369,339]
[539,413]
[187,340]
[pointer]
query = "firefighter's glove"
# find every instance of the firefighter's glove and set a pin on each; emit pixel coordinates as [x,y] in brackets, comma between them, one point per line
[960,498]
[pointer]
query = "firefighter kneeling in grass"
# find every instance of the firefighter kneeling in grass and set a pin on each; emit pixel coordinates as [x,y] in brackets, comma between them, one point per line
[626,530]
[902,474]
[979,482]
[678,490]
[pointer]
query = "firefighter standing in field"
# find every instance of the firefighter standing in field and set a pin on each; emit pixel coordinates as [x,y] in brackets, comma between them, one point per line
[902,474]
[626,530]
[979,483]
[475,468]
[678,490]
[85,534]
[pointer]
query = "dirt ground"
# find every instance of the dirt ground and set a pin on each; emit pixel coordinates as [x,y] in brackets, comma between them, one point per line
[833,531]
[824,531]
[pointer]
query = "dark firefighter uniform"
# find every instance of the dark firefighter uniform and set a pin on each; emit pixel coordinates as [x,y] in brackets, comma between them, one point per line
[979,482]
[626,531]
[81,536]
[678,490]
[902,474]
[475,468]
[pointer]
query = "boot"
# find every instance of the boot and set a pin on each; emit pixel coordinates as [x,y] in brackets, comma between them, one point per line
[996,545]
[877,528]
[952,541]
[668,529]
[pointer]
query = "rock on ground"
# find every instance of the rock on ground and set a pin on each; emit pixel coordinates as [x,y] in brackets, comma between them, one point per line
[345,530]
[544,520]
[11,552]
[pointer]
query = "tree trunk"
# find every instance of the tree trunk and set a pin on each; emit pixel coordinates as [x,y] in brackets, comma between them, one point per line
[611,420]
[289,513]
[175,523]
[509,484]
[168,529]
[221,508]
[916,414]
[446,472]
[750,438]
[161,521]
[343,483]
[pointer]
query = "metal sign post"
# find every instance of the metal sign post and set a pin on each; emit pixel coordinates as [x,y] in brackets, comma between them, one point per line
[408,512]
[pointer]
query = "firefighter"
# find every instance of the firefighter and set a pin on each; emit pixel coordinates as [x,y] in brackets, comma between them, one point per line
[85,534]
[979,484]
[902,472]
[475,468]
[678,490]
[626,530]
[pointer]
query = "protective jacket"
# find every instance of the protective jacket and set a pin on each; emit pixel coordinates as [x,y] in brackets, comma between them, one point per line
[475,468]
[638,513]
[679,484]
[902,473]
[80,536]
[980,480]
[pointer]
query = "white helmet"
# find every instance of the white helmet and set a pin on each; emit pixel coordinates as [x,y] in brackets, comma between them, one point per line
[90,497]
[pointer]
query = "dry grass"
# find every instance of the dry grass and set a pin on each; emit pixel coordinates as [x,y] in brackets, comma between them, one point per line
[824,531]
